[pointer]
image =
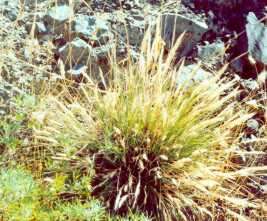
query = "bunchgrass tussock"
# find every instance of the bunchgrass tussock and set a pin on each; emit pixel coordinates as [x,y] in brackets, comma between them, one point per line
[158,147]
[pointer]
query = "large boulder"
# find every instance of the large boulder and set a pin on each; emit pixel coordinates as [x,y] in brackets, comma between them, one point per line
[91,28]
[78,53]
[257,38]
[173,25]
[57,19]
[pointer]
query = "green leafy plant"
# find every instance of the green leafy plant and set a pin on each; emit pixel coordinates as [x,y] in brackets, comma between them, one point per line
[91,211]
[132,217]
[13,125]
[19,195]
[8,134]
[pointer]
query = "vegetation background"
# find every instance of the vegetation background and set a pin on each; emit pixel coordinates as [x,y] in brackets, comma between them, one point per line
[130,139]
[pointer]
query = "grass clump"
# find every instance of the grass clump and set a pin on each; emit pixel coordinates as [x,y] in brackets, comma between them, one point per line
[157,147]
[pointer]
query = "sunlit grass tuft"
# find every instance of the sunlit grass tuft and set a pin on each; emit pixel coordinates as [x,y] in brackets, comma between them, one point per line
[158,147]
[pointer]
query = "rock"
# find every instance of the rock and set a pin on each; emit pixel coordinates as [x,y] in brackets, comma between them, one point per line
[31,3]
[39,28]
[110,5]
[57,18]
[130,32]
[66,2]
[77,52]
[262,78]
[10,9]
[226,17]
[253,125]
[31,16]
[238,65]
[257,38]
[136,29]
[77,72]
[192,74]
[250,84]
[91,29]
[210,53]
[173,25]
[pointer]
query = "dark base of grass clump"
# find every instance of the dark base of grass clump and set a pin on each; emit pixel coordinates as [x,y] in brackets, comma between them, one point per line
[134,181]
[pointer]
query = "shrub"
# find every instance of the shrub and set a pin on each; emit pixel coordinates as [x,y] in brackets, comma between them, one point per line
[14,124]
[157,147]
[92,211]
[131,217]
[19,195]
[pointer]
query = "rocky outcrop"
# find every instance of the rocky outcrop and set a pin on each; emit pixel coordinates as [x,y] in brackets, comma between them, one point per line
[102,24]
[10,9]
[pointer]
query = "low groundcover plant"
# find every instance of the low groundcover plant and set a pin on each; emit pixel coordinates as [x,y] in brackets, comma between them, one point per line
[19,195]
[157,147]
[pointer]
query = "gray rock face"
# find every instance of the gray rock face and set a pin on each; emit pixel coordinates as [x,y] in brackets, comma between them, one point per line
[10,8]
[132,33]
[110,5]
[192,74]
[57,18]
[77,72]
[31,3]
[253,125]
[174,25]
[136,32]
[250,84]
[257,38]
[238,65]
[38,28]
[91,29]
[211,52]
[77,52]
[127,28]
